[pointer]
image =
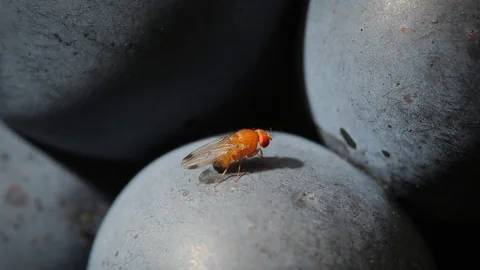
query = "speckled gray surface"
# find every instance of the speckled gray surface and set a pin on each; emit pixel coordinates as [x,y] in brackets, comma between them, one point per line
[48,217]
[397,82]
[301,207]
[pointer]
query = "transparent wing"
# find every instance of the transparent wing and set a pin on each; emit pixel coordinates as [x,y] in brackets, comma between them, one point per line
[207,153]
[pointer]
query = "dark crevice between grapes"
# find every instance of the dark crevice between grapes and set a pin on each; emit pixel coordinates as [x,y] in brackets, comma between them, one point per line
[275,100]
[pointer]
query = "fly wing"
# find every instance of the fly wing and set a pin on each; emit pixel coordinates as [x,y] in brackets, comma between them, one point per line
[207,153]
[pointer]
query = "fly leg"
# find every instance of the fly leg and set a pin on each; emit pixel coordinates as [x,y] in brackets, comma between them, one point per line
[261,152]
[254,153]
[221,176]
[238,173]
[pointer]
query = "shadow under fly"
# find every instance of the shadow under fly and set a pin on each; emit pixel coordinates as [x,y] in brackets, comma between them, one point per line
[209,176]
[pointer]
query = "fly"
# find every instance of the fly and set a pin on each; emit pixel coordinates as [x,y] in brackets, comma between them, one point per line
[222,152]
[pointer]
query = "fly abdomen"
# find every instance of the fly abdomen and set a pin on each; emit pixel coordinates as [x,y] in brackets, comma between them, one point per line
[218,166]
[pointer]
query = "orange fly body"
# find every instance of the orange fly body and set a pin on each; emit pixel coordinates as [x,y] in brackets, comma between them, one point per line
[221,153]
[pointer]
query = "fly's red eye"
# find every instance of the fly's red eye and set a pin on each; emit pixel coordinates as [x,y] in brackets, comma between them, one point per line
[264,141]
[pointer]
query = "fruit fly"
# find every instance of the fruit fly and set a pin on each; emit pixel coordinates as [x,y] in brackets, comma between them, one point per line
[222,152]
